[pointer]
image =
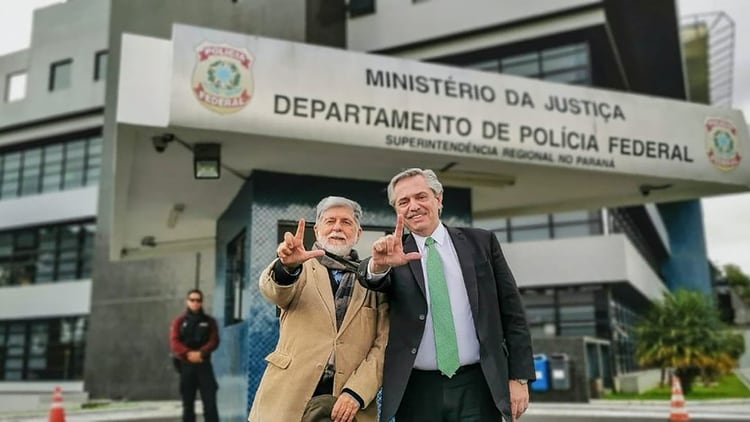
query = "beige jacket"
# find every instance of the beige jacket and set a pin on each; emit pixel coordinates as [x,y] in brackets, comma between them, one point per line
[307,336]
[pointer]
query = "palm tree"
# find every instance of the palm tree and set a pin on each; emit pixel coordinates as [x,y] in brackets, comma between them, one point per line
[683,332]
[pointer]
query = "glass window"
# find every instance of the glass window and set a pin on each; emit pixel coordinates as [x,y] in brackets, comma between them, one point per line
[79,332]
[577,230]
[11,175]
[565,64]
[530,227]
[100,65]
[571,77]
[46,254]
[75,160]
[93,160]
[537,315]
[60,75]
[565,57]
[570,216]
[577,313]
[523,65]
[487,66]
[361,7]
[529,220]
[235,283]
[578,329]
[527,234]
[502,236]
[15,87]
[491,223]
[43,349]
[31,169]
[51,167]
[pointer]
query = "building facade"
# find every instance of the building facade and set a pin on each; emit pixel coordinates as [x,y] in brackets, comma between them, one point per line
[85,197]
[51,120]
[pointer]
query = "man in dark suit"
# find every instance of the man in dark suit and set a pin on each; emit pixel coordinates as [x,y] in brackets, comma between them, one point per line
[459,347]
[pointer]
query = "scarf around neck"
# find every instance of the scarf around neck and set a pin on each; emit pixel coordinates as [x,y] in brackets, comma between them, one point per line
[348,264]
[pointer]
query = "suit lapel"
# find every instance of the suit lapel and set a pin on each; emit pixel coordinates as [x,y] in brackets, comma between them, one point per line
[466,258]
[323,287]
[410,245]
[355,304]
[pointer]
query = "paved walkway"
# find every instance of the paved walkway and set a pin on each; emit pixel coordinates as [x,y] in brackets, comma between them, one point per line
[150,411]
[714,410]
[170,411]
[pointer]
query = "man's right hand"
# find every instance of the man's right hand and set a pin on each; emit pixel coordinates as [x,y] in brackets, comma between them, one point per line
[388,251]
[291,251]
[195,356]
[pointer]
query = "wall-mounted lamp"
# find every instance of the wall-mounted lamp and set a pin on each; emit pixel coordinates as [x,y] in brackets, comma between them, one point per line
[207,161]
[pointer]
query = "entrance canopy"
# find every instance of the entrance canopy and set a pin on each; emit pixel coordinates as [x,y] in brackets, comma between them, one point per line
[522,145]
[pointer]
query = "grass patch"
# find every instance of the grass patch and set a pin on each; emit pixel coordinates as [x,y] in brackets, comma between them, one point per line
[96,404]
[728,387]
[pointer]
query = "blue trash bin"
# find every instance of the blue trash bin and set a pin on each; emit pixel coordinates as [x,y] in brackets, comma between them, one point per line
[541,368]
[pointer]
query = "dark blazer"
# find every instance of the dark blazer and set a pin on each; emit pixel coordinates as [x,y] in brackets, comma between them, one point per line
[504,340]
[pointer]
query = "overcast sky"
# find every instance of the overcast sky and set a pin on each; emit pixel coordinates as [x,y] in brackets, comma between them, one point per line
[727,218]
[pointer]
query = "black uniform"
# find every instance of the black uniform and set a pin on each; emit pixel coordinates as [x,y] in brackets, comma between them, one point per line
[196,331]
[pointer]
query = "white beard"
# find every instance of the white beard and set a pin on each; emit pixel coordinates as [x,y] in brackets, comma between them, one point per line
[340,250]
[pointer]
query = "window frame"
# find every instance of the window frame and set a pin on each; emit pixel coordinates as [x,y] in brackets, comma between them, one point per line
[53,68]
[91,161]
[9,78]
[55,351]
[98,74]
[357,8]
[80,253]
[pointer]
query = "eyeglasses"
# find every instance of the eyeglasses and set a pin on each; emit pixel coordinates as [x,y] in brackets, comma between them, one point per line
[195,299]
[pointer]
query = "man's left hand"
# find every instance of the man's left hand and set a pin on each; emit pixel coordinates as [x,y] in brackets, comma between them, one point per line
[345,408]
[519,398]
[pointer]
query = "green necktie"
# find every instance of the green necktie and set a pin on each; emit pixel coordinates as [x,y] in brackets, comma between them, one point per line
[446,345]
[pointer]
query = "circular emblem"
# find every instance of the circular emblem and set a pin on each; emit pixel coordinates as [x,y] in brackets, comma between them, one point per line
[222,81]
[722,144]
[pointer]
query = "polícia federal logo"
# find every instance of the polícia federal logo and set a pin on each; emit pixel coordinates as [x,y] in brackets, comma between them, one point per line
[722,143]
[222,81]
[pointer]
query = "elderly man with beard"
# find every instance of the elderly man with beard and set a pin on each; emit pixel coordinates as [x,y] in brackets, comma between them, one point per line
[332,331]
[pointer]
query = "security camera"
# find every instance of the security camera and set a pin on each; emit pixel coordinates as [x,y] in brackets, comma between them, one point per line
[149,241]
[161,141]
[646,189]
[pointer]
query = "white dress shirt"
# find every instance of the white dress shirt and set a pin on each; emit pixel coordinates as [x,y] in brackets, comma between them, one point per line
[468,343]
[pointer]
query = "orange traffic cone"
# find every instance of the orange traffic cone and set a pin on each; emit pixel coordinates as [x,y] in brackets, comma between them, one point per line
[56,411]
[677,411]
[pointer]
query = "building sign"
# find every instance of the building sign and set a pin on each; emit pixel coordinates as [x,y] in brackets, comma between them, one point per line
[323,94]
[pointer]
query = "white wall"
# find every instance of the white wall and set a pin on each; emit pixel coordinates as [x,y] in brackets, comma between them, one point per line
[62,298]
[73,30]
[596,259]
[73,204]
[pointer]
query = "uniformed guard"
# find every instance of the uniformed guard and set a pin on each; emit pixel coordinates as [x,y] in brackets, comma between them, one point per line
[192,337]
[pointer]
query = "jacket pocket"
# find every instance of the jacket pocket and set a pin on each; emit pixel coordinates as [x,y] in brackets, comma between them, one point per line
[279,359]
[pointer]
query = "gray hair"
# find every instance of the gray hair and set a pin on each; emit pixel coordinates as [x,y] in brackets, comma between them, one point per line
[338,201]
[429,176]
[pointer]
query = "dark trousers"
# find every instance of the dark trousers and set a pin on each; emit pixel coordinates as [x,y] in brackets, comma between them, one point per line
[194,377]
[433,397]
